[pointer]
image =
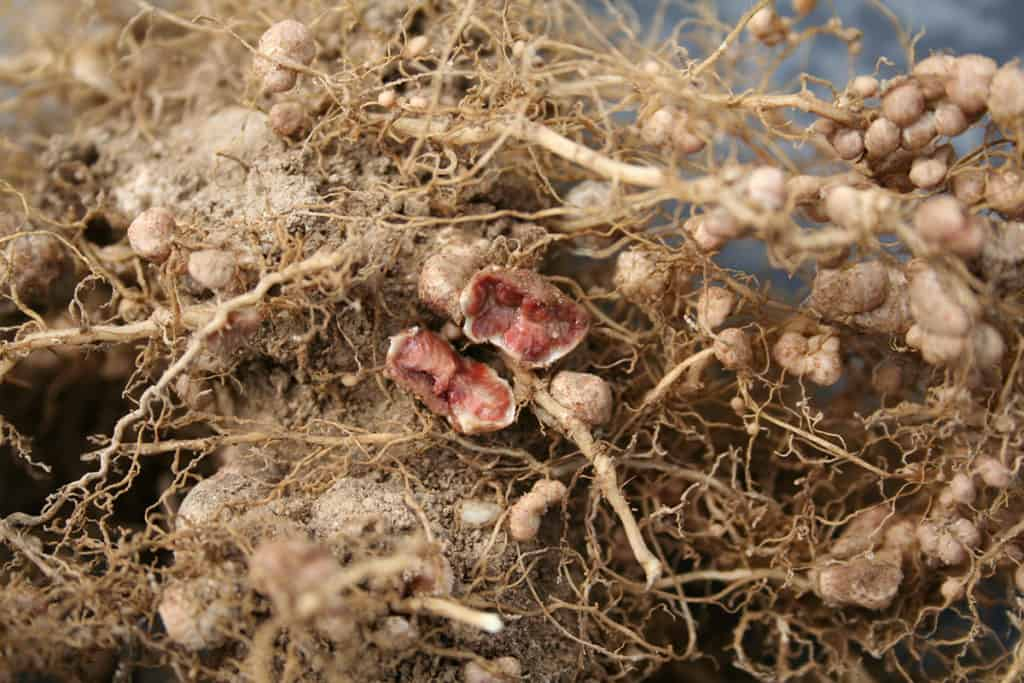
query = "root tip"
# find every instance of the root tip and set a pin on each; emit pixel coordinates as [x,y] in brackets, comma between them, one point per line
[491,623]
[653,571]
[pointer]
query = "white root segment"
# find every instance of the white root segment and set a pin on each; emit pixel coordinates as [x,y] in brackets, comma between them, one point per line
[448,609]
[553,412]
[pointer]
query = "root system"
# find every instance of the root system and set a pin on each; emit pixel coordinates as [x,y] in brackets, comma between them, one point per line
[211,469]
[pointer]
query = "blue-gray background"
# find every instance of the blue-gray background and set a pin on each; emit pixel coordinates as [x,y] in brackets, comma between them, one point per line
[990,27]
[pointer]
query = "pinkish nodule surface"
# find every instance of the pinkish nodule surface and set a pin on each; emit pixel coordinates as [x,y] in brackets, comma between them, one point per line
[469,393]
[523,314]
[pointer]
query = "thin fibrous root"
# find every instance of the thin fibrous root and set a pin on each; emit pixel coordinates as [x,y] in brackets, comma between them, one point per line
[192,317]
[658,392]
[708,189]
[219,320]
[270,435]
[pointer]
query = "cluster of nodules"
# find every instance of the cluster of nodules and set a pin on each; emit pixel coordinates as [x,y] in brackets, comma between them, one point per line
[756,192]
[947,321]
[935,309]
[809,350]
[769,28]
[646,281]
[287,48]
[282,52]
[952,531]
[223,271]
[941,98]
[676,128]
[515,310]
[152,237]
[945,224]
[804,347]
[865,565]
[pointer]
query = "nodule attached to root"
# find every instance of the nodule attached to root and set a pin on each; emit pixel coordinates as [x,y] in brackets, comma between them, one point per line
[903,104]
[588,396]
[945,223]
[34,266]
[969,82]
[811,351]
[640,278]
[948,542]
[993,472]
[290,571]
[714,307]
[932,73]
[212,268]
[767,27]
[198,613]
[525,515]
[285,41]
[1006,97]
[733,349]
[151,234]
[869,582]
[882,138]
[287,119]
[445,275]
